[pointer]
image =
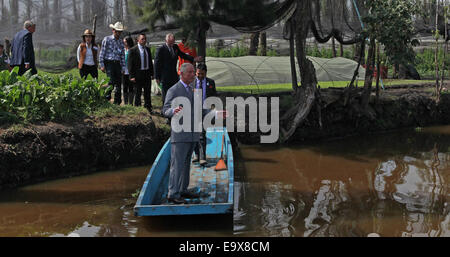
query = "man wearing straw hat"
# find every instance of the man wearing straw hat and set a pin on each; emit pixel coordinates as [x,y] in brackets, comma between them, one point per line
[112,60]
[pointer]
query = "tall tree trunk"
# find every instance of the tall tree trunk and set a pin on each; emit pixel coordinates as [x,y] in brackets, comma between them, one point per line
[291,28]
[263,43]
[254,43]
[87,12]
[333,47]
[45,23]
[445,48]
[395,70]
[305,95]
[341,50]
[74,26]
[378,71]
[29,6]
[117,12]
[3,12]
[56,16]
[99,8]
[127,15]
[369,75]
[76,11]
[8,46]
[436,60]
[201,39]
[360,54]
[359,61]
[14,11]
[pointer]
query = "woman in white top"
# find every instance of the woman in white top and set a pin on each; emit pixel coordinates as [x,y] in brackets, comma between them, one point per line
[128,89]
[87,55]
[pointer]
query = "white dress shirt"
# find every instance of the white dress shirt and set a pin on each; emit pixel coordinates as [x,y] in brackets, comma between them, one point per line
[89,59]
[144,66]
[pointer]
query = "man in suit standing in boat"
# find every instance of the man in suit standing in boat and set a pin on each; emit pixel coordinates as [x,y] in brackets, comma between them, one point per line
[208,89]
[183,138]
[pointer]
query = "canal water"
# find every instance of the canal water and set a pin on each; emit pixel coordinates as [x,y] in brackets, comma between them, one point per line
[394,184]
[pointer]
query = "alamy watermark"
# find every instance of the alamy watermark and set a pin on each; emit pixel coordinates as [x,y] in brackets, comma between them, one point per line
[203,116]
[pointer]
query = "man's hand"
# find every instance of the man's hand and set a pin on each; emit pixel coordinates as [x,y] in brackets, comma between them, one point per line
[177,110]
[102,69]
[157,82]
[133,80]
[27,66]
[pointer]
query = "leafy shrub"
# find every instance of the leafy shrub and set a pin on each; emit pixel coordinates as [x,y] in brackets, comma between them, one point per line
[44,97]
[224,53]
[425,61]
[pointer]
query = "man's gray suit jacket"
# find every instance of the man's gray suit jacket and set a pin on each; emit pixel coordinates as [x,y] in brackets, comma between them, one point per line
[175,91]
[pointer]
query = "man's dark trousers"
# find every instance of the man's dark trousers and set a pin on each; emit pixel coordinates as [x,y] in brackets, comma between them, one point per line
[143,81]
[22,69]
[200,147]
[165,87]
[114,73]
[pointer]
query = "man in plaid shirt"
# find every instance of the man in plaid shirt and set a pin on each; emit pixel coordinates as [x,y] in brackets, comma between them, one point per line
[112,59]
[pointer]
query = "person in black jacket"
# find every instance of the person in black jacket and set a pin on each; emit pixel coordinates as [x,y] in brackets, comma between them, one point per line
[22,50]
[208,89]
[166,59]
[140,67]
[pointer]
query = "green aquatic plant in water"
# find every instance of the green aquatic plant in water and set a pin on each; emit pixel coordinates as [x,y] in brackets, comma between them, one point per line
[136,194]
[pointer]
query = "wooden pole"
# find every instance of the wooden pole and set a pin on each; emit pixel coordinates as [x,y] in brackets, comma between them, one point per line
[445,46]
[94,25]
[292,55]
[378,45]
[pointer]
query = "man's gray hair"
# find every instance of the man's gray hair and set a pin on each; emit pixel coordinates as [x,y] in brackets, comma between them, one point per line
[28,24]
[169,35]
[185,66]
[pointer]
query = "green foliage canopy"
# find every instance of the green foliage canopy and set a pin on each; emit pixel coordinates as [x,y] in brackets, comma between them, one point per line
[391,22]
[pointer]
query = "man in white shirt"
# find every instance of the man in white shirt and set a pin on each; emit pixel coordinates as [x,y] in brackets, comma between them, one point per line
[140,67]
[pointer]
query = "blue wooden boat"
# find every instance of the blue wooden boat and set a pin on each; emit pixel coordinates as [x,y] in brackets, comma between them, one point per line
[215,187]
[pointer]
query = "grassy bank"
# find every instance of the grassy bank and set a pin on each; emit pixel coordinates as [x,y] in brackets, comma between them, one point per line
[273,88]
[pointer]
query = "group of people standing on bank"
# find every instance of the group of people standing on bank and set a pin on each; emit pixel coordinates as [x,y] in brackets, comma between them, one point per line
[132,66]
[129,66]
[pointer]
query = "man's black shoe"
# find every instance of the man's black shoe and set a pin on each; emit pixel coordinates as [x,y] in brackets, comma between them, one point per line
[190,195]
[203,162]
[176,200]
[195,159]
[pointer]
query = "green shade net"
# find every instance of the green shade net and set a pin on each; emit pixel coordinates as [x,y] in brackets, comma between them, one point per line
[259,70]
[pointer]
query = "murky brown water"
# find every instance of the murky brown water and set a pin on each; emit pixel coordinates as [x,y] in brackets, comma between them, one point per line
[395,184]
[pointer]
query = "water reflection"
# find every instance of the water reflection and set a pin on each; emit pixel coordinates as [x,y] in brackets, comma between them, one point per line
[393,185]
[269,210]
[342,188]
[417,184]
[93,205]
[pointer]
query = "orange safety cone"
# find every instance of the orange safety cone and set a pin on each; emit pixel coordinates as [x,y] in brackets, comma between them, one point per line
[221,163]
